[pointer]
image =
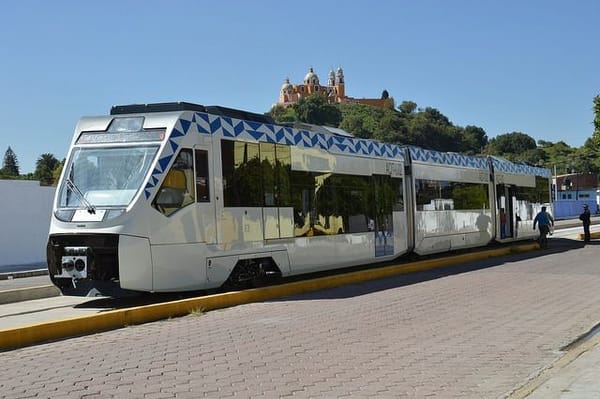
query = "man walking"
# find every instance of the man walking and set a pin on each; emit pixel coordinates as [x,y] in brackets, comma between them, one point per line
[544,220]
[585,218]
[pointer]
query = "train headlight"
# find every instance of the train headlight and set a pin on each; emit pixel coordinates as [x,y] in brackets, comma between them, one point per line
[114,213]
[64,214]
[126,124]
[68,264]
[79,264]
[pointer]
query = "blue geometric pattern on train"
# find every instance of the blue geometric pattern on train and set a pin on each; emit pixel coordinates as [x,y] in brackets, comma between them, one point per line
[202,123]
[448,158]
[236,128]
[519,169]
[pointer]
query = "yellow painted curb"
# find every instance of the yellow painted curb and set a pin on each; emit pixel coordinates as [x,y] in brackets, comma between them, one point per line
[41,332]
[593,235]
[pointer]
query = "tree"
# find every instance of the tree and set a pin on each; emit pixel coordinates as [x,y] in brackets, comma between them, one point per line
[44,167]
[57,171]
[10,167]
[361,120]
[431,129]
[407,107]
[510,145]
[474,139]
[596,135]
[281,114]
[313,109]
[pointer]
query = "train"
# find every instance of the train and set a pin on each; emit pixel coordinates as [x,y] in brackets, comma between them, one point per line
[175,197]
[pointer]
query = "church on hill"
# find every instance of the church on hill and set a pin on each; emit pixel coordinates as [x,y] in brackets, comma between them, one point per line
[334,91]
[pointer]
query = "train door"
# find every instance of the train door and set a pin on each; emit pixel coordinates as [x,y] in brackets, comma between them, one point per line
[205,194]
[506,210]
[277,212]
[383,225]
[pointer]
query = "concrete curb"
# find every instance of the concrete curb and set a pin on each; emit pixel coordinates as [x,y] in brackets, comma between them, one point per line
[29,273]
[28,294]
[555,368]
[37,333]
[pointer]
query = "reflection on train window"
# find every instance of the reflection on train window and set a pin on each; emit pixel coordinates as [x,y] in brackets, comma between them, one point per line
[202,186]
[255,175]
[326,203]
[260,175]
[177,190]
[530,199]
[436,195]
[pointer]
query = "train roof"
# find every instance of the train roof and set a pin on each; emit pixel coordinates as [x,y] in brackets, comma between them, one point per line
[324,137]
[448,158]
[518,168]
[185,106]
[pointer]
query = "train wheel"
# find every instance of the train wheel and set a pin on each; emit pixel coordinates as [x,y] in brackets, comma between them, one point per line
[250,273]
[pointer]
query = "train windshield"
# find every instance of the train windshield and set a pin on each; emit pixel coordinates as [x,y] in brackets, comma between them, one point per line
[105,176]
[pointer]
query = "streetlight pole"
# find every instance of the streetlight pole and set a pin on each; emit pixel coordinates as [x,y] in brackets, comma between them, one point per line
[555,185]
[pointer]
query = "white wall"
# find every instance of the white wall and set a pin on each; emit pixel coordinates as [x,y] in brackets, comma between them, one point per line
[25,210]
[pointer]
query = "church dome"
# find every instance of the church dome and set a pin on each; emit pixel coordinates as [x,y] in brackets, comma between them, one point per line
[286,86]
[311,78]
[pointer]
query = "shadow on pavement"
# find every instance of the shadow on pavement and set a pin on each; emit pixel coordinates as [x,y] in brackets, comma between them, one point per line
[556,245]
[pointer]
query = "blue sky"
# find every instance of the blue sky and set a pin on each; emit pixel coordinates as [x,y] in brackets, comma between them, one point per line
[529,66]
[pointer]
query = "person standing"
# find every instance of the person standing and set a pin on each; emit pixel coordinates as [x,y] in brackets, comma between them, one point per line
[543,220]
[585,218]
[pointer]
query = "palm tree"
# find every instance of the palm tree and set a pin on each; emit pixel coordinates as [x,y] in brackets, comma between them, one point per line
[44,166]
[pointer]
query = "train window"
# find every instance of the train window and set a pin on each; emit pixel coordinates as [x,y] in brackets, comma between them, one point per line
[528,198]
[390,192]
[436,195]
[327,204]
[256,174]
[202,186]
[302,189]
[398,186]
[242,181]
[177,190]
[267,166]
[283,168]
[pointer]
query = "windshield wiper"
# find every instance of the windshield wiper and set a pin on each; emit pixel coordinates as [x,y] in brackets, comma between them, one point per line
[90,208]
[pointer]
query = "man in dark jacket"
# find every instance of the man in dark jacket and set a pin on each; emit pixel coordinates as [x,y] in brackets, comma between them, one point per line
[544,220]
[585,218]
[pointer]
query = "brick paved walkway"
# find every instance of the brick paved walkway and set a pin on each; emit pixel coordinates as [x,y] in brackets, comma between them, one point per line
[465,332]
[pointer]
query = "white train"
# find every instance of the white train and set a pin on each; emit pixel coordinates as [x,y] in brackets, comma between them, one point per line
[179,197]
